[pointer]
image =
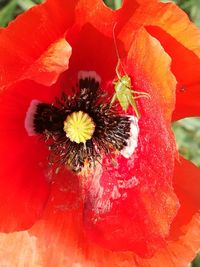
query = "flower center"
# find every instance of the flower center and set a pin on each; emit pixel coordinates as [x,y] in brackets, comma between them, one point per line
[79,127]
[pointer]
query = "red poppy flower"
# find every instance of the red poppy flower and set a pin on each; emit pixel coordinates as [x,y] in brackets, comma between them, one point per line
[116,194]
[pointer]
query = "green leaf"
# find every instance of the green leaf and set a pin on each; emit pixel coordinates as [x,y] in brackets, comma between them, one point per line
[7,13]
[195,12]
[187,132]
[39,1]
[117,4]
[196,262]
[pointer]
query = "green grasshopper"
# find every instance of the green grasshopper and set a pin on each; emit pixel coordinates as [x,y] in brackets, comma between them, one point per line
[123,88]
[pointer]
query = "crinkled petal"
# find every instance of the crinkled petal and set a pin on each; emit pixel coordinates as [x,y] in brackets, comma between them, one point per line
[51,64]
[184,240]
[186,184]
[179,252]
[168,17]
[58,238]
[186,67]
[34,42]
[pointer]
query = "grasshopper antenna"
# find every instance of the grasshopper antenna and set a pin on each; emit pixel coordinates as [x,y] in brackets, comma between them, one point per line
[117,52]
[115,42]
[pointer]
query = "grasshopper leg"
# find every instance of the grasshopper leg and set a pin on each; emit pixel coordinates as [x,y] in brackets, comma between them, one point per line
[134,105]
[113,99]
[141,93]
[117,70]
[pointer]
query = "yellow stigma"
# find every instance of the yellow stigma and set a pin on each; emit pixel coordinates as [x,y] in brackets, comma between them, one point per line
[79,127]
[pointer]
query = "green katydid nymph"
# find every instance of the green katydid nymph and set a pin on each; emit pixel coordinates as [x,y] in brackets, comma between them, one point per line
[124,92]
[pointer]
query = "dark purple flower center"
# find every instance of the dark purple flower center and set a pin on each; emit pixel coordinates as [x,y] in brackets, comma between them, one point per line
[110,134]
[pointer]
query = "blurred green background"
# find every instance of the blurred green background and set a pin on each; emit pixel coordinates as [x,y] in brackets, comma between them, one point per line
[187,131]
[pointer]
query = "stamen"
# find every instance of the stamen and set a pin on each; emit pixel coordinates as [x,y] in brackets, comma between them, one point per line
[79,127]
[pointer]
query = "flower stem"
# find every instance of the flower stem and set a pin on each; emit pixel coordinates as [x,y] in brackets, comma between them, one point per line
[6,13]
[114,4]
[117,4]
[24,5]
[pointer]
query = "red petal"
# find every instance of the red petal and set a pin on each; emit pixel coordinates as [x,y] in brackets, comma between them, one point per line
[58,239]
[42,28]
[184,240]
[179,252]
[132,217]
[187,184]
[48,67]
[188,93]
[101,17]
[24,185]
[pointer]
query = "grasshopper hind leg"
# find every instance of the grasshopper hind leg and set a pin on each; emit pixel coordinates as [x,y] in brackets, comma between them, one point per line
[134,106]
[141,94]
